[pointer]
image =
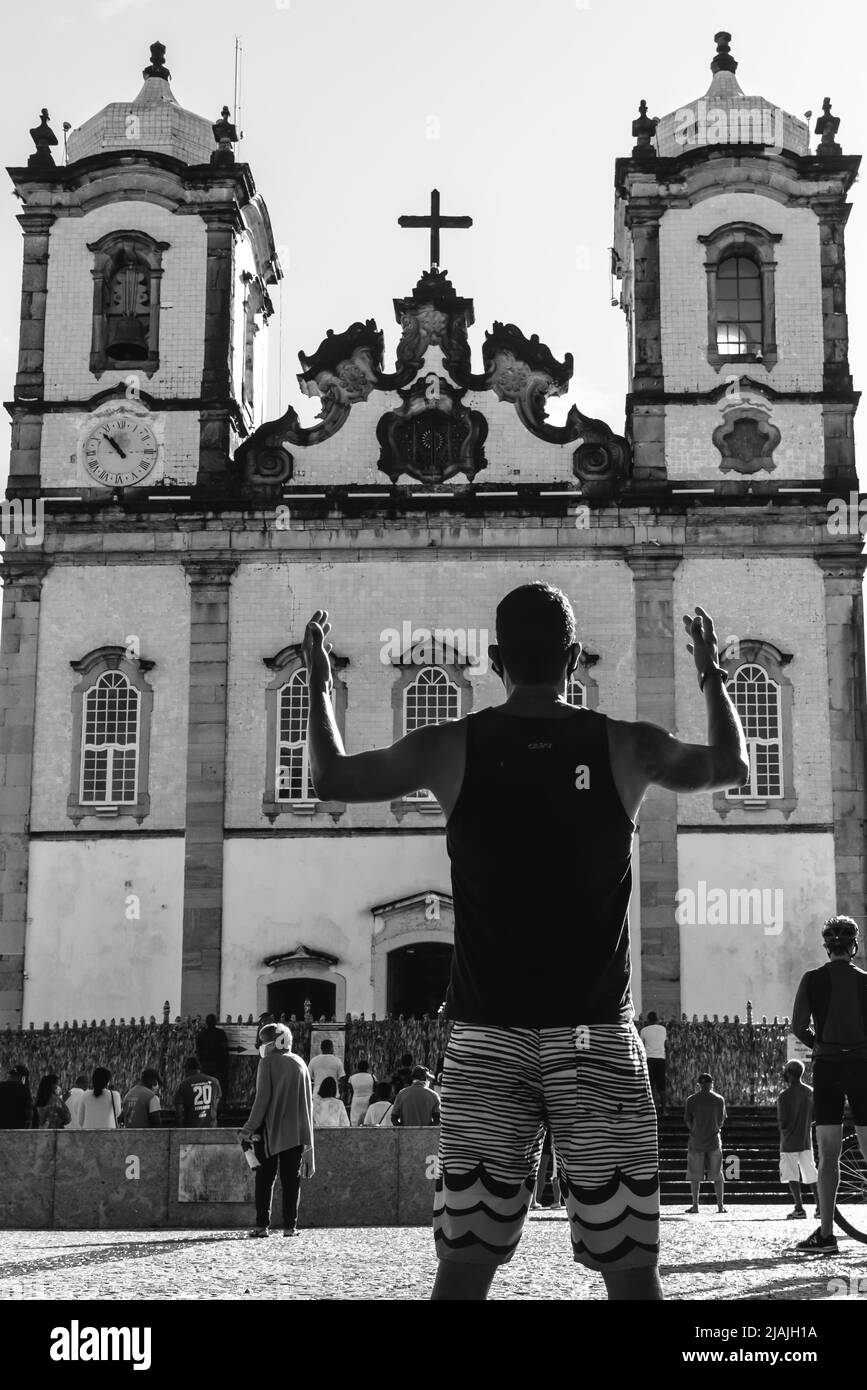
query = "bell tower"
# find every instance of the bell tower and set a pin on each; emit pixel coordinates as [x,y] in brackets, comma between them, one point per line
[729,245]
[148,259]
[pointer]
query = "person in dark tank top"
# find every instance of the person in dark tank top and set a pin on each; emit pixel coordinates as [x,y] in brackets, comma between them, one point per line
[541,801]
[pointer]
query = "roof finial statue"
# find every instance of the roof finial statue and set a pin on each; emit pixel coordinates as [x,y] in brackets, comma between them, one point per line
[43,138]
[644,129]
[225,135]
[723,62]
[827,126]
[156,67]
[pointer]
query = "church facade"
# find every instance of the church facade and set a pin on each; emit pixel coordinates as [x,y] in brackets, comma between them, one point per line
[160,838]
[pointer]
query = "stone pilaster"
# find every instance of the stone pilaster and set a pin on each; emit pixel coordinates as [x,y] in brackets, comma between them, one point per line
[206,779]
[645,413]
[832,214]
[19,636]
[643,224]
[653,591]
[30,381]
[223,223]
[847,708]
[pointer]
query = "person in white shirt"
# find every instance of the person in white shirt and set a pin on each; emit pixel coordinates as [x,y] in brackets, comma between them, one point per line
[99,1108]
[328,1111]
[326,1064]
[74,1097]
[361,1084]
[379,1110]
[653,1035]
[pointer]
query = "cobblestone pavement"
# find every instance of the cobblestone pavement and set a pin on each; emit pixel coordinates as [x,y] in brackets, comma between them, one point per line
[744,1255]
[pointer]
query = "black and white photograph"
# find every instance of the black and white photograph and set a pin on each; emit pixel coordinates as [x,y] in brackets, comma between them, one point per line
[433,673]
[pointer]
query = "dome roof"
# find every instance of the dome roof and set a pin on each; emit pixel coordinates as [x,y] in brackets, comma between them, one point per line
[152,121]
[725,115]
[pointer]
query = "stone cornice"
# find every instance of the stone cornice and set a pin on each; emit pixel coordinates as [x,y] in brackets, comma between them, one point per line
[851,565]
[782,170]
[209,570]
[113,176]
[37,221]
[653,562]
[16,566]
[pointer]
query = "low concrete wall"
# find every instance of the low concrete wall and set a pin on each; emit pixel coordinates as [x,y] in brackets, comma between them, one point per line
[138,1179]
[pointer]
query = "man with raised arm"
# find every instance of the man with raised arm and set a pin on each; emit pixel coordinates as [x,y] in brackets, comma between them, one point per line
[540,801]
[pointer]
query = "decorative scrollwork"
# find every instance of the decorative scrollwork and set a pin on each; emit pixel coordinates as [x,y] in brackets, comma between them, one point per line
[432,438]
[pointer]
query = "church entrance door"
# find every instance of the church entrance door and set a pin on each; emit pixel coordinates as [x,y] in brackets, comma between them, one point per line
[287,997]
[418,977]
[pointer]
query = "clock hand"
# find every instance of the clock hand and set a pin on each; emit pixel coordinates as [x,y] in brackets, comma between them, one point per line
[114,444]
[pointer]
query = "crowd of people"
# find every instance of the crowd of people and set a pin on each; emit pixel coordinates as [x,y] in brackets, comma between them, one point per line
[96,1105]
[409,1097]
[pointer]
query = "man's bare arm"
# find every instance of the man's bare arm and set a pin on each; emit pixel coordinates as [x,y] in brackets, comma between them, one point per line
[663,760]
[413,763]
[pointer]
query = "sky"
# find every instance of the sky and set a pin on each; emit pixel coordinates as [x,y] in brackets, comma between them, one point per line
[351,112]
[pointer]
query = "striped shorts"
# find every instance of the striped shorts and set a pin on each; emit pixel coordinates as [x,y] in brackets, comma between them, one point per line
[501,1086]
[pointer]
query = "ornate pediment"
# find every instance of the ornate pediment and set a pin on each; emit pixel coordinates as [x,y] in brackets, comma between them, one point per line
[432,436]
[301,953]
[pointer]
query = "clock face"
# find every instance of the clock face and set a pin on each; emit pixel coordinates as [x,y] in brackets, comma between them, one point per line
[120,451]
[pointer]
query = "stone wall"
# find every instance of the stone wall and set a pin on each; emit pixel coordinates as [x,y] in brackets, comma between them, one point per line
[145,1179]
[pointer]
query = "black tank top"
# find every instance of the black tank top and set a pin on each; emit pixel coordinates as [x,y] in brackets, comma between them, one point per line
[541,855]
[838,1002]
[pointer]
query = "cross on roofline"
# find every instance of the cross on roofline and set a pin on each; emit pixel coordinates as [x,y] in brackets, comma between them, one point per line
[435,220]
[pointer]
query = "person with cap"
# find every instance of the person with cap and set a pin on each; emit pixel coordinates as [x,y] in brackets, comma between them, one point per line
[280,1127]
[833,999]
[416,1104]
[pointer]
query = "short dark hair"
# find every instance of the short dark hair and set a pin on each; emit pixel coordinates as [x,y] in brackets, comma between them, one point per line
[211,1021]
[795,1067]
[705,1076]
[652,1017]
[535,629]
[326,1045]
[363,1064]
[406,1059]
[382,1090]
[150,1077]
[328,1088]
[191,1064]
[419,1073]
[80,1081]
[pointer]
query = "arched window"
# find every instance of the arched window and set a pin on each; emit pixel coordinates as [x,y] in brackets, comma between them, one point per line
[288,783]
[111,712]
[430,699]
[127,270]
[109,744]
[756,698]
[741,312]
[738,306]
[293,765]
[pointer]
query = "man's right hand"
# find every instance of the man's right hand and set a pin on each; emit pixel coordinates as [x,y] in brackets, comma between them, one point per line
[703,644]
